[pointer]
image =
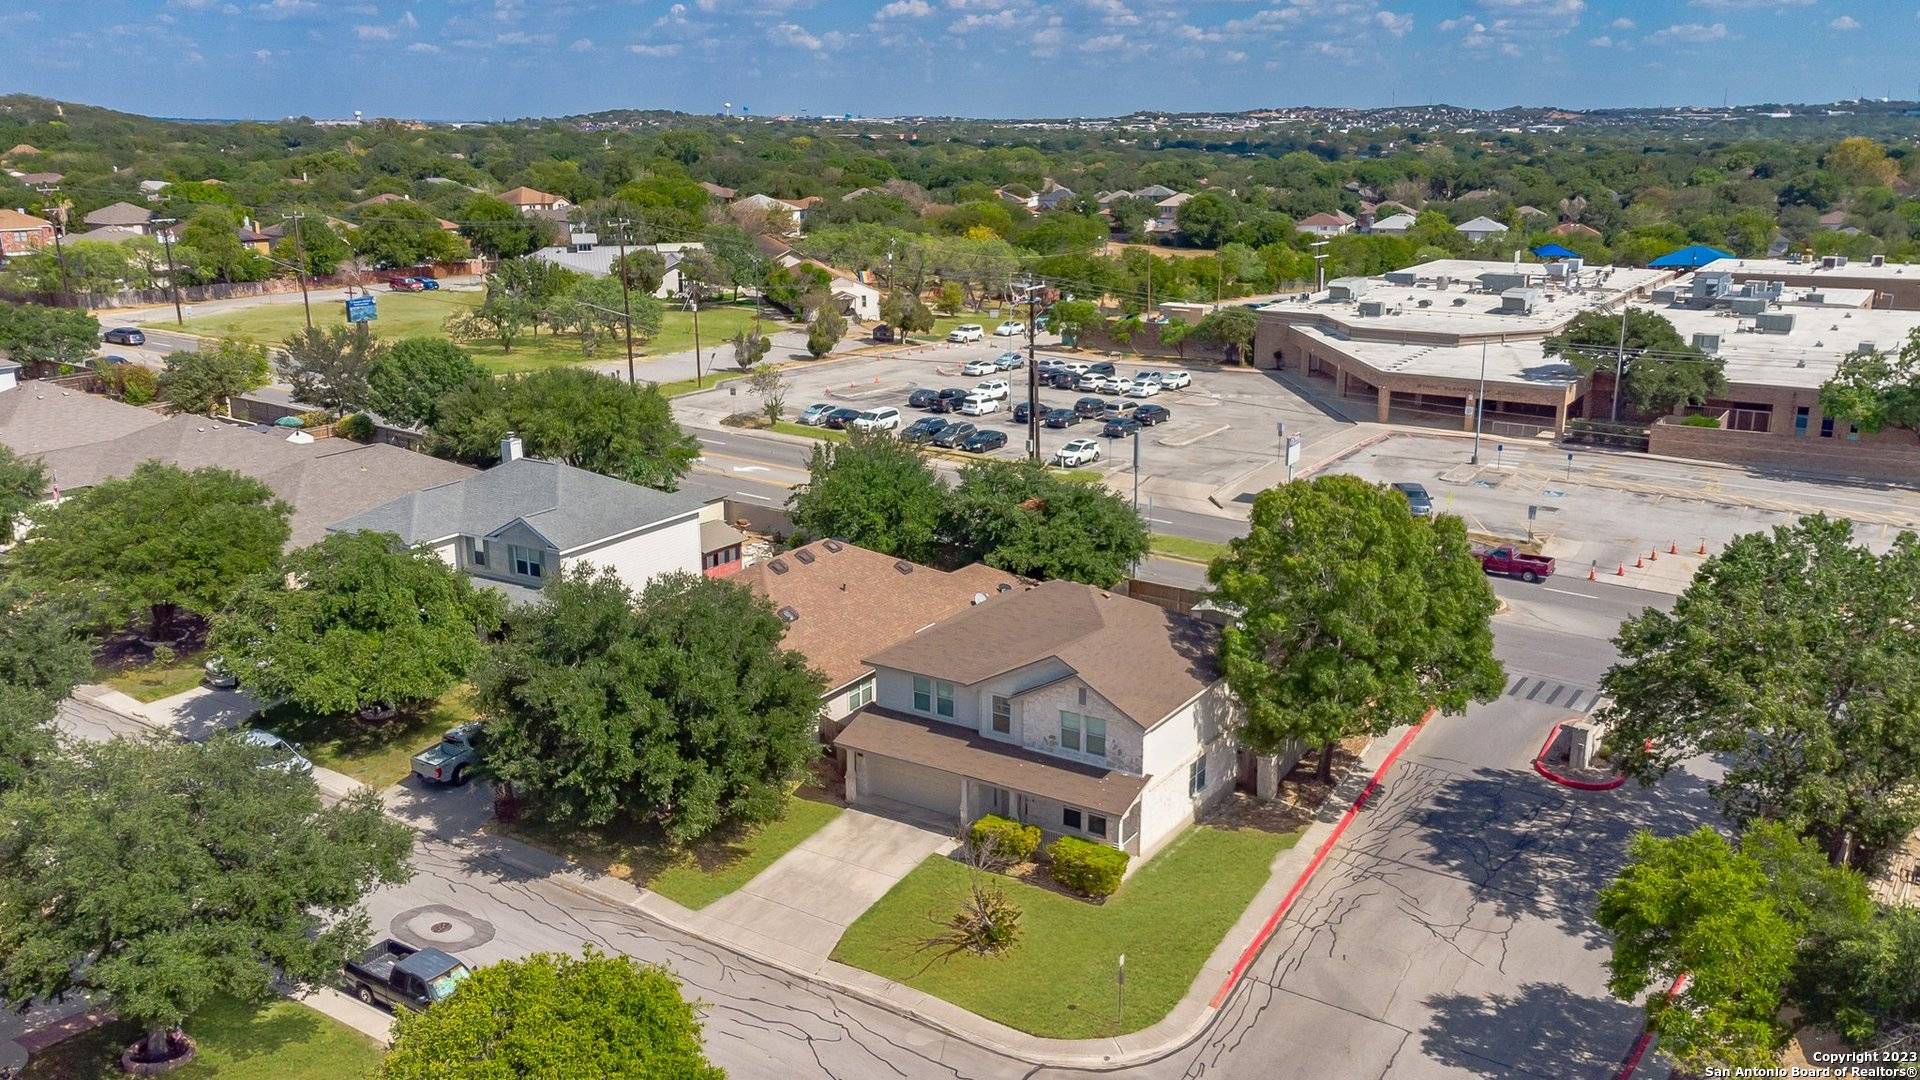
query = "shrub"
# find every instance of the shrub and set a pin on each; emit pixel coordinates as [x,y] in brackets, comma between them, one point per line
[987,923]
[314,418]
[1698,420]
[1004,841]
[358,427]
[1087,868]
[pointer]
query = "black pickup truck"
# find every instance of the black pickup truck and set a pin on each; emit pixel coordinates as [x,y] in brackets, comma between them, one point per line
[402,976]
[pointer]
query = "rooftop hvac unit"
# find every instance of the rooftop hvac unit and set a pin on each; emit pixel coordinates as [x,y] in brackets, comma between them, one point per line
[1793,257]
[1371,309]
[1773,322]
[1346,288]
[1832,262]
[1459,301]
[1500,282]
[1424,302]
[1557,271]
[1747,305]
[1519,301]
[1443,282]
[1668,295]
[1707,343]
[1863,348]
[1402,277]
[1816,298]
[1877,260]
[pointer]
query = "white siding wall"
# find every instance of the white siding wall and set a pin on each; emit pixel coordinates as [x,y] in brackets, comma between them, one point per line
[641,557]
[449,552]
[1166,807]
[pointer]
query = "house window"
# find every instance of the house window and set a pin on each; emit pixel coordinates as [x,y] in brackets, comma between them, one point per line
[1197,775]
[1084,734]
[1096,736]
[932,696]
[1826,427]
[1002,714]
[1097,825]
[861,696]
[1800,420]
[526,561]
[1069,817]
[1069,731]
[479,553]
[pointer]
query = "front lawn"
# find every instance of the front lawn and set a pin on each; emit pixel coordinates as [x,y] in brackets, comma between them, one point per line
[282,1040]
[152,681]
[377,753]
[694,876]
[1058,982]
[1186,547]
[707,382]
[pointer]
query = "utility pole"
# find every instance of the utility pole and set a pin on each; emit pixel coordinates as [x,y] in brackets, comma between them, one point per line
[1619,364]
[1479,405]
[693,301]
[626,300]
[301,270]
[1033,377]
[1319,264]
[59,227]
[173,275]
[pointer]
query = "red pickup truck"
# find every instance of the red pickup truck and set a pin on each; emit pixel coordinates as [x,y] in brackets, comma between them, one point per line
[1505,560]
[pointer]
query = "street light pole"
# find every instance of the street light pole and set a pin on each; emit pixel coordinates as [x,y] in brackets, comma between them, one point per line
[1619,364]
[1479,405]
[173,275]
[1033,378]
[300,243]
[59,227]
[626,300]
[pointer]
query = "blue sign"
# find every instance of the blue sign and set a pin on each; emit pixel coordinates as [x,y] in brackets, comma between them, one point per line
[360,309]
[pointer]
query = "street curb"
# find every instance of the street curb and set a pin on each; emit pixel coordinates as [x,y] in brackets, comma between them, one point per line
[1642,1044]
[1540,766]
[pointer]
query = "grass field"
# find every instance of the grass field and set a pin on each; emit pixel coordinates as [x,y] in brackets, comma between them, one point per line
[694,876]
[282,1040]
[1184,547]
[1057,982]
[152,682]
[424,314]
[378,753]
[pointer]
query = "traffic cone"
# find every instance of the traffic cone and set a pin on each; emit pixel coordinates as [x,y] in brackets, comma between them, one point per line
[1621,571]
[1673,547]
[1653,555]
[1638,562]
[1703,547]
[1592,573]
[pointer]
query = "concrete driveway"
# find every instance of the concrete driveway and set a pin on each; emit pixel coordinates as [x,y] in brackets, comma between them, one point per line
[810,895]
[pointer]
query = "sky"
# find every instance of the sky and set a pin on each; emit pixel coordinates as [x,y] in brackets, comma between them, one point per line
[494,59]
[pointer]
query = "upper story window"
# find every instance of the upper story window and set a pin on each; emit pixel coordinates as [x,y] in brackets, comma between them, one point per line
[479,552]
[526,561]
[1002,715]
[861,696]
[1083,734]
[932,696]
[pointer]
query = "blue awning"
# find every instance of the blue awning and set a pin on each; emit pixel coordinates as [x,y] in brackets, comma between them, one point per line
[1689,258]
[1555,251]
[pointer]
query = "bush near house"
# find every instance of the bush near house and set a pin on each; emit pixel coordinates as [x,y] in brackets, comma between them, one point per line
[1087,868]
[1005,840]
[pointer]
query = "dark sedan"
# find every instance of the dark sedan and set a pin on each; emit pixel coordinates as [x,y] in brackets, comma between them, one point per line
[838,419]
[1101,368]
[1059,418]
[1120,427]
[125,335]
[953,434]
[1062,379]
[922,399]
[984,440]
[1090,406]
[1152,414]
[923,429]
[1023,412]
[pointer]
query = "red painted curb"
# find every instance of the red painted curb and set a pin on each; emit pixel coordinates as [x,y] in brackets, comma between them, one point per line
[1640,1045]
[1540,766]
[1326,847]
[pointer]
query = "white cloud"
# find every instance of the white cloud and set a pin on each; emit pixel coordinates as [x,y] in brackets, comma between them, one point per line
[582,45]
[654,50]
[1623,23]
[1689,34]
[1601,42]
[1396,23]
[1844,22]
[423,47]
[521,37]
[1104,43]
[1235,57]
[794,35]
[373,33]
[263,55]
[1113,12]
[407,20]
[1005,19]
[1750,5]
[905,9]
[282,9]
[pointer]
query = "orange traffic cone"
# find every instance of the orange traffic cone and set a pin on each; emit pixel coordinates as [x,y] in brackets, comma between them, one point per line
[1653,555]
[1703,547]
[1638,562]
[1673,548]
[1622,571]
[1592,573]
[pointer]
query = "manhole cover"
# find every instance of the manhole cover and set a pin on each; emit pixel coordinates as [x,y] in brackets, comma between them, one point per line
[439,926]
[442,927]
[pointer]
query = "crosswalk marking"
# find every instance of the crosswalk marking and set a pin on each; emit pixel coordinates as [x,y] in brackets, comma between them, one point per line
[1579,699]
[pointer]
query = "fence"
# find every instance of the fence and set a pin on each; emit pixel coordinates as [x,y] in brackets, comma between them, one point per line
[197,294]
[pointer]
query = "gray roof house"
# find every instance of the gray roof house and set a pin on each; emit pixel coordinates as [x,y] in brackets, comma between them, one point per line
[523,523]
[123,214]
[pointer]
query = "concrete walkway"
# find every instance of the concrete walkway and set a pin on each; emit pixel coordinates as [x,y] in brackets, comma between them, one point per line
[810,895]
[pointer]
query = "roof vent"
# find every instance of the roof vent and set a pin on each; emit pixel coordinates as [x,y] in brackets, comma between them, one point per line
[903,566]
[777,566]
[789,614]
[804,556]
[831,545]
[1003,587]
[979,598]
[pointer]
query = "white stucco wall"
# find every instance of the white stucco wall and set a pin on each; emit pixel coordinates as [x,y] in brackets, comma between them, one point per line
[640,557]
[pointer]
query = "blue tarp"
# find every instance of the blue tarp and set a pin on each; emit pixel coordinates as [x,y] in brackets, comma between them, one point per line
[1555,251]
[1689,258]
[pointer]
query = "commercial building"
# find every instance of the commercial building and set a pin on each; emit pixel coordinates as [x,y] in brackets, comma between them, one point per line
[1894,285]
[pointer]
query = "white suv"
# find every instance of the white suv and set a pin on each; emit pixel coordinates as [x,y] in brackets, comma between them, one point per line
[1174,380]
[1077,452]
[882,419]
[1009,329]
[979,404]
[1143,388]
[994,388]
[965,333]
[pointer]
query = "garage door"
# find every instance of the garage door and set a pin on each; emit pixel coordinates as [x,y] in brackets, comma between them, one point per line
[905,782]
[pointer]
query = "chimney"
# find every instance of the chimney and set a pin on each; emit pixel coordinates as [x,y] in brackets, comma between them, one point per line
[511,448]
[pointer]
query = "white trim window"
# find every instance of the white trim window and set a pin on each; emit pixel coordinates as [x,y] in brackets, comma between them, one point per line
[861,695]
[1083,734]
[1002,715]
[932,696]
[1197,775]
[527,562]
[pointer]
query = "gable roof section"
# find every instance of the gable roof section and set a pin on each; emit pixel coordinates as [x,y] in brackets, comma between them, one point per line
[1480,224]
[1145,660]
[855,601]
[14,220]
[526,196]
[120,213]
[37,417]
[570,507]
[1324,220]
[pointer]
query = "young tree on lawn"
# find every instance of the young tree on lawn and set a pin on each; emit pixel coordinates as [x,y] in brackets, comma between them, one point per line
[750,346]
[36,333]
[951,298]
[323,249]
[582,418]
[1877,391]
[158,875]
[874,491]
[1232,327]
[770,387]
[551,1014]
[1664,370]
[501,317]
[906,311]
[644,271]
[367,622]
[207,380]
[1355,616]
[401,234]
[328,366]
[408,380]
[157,542]
[1028,520]
[1174,335]
[43,656]
[24,481]
[678,706]
[826,330]
[1814,710]
[1073,318]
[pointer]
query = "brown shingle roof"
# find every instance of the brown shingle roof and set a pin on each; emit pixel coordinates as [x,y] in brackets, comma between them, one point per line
[854,602]
[12,220]
[1144,660]
[965,752]
[526,196]
[37,417]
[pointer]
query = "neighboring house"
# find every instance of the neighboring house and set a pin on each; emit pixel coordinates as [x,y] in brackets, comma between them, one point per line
[1154,192]
[1532,213]
[39,179]
[856,299]
[843,603]
[257,239]
[1393,225]
[1081,711]
[123,215]
[1166,213]
[23,234]
[1335,224]
[1833,219]
[22,150]
[588,254]
[1574,228]
[1388,208]
[1480,228]
[525,522]
[529,201]
[722,547]
[1055,197]
[1108,198]
[1026,200]
[795,209]
[381,199]
[717,191]
[861,193]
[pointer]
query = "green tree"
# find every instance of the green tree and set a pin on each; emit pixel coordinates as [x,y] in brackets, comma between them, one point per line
[1813,710]
[212,235]
[367,622]
[1857,161]
[1664,371]
[1174,334]
[1231,327]
[951,297]
[43,656]
[825,331]
[750,346]
[1876,391]
[1029,520]
[158,875]
[1355,616]
[1207,219]
[766,383]
[35,333]
[551,1014]
[206,380]
[872,490]
[24,481]
[328,365]
[1073,318]
[401,234]
[317,248]
[906,311]
[159,541]
[582,418]
[678,706]
[498,230]
[408,380]
[643,271]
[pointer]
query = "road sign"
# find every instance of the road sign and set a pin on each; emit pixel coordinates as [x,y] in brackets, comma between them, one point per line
[361,309]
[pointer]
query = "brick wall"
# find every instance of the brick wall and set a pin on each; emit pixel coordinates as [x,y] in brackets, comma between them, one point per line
[1893,455]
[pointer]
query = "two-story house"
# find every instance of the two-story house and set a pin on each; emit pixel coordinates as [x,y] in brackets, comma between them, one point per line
[1085,712]
[525,522]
